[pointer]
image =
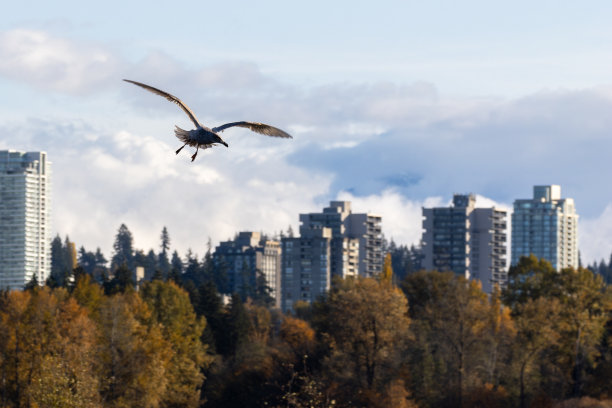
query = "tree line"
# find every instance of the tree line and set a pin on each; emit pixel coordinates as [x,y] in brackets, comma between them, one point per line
[428,339]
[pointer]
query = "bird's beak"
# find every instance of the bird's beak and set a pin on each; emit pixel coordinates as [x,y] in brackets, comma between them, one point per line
[225,144]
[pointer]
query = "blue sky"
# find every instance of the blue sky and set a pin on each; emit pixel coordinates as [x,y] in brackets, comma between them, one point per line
[393,105]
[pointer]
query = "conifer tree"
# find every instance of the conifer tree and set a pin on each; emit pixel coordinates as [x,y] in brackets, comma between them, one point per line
[237,327]
[176,268]
[123,250]
[165,241]
[210,306]
[163,262]
[122,281]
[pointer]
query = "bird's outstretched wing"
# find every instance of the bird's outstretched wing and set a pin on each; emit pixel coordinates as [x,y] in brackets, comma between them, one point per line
[256,127]
[171,98]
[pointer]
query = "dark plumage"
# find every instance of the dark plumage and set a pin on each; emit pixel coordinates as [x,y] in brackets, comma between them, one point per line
[203,137]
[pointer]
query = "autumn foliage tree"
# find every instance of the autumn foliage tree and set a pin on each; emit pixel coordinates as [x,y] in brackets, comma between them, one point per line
[583,306]
[366,324]
[460,337]
[47,349]
[181,329]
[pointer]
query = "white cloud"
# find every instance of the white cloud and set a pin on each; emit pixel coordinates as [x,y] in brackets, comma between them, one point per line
[138,180]
[402,219]
[595,237]
[54,63]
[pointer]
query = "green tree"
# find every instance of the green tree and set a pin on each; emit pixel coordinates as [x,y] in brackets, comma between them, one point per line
[244,283]
[133,355]
[208,266]
[530,278]
[163,262]
[210,306]
[87,260]
[262,295]
[123,250]
[237,327]
[122,281]
[192,268]
[182,329]
[101,262]
[32,284]
[63,261]
[151,265]
[59,267]
[165,240]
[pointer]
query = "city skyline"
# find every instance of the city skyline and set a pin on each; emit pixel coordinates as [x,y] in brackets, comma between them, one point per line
[394,108]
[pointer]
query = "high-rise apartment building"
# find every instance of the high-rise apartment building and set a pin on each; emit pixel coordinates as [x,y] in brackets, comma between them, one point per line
[335,242]
[546,226]
[467,240]
[306,266]
[25,218]
[245,257]
[352,235]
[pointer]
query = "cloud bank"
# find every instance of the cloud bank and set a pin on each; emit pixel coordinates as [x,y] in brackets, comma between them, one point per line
[389,147]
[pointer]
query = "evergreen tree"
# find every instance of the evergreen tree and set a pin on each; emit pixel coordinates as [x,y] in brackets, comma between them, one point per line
[220,275]
[32,284]
[123,251]
[87,260]
[100,259]
[151,265]
[192,269]
[210,306]
[163,262]
[140,259]
[157,276]
[237,327]
[122,281]
[603,270]
[176,270]
[176,263]
[165,241]
[245,282]
[208,266]
[57,256]
[63,261]
[101,269]
[262,295]
[608,277]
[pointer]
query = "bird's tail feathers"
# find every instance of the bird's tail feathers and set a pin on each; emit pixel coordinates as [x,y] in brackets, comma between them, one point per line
[182,134]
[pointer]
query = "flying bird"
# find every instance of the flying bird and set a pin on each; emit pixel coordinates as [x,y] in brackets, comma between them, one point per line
[203,137]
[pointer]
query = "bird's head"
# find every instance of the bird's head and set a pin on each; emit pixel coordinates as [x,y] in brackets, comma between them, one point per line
[220,141]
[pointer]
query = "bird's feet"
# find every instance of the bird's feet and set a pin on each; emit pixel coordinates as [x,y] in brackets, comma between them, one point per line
[194,156]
